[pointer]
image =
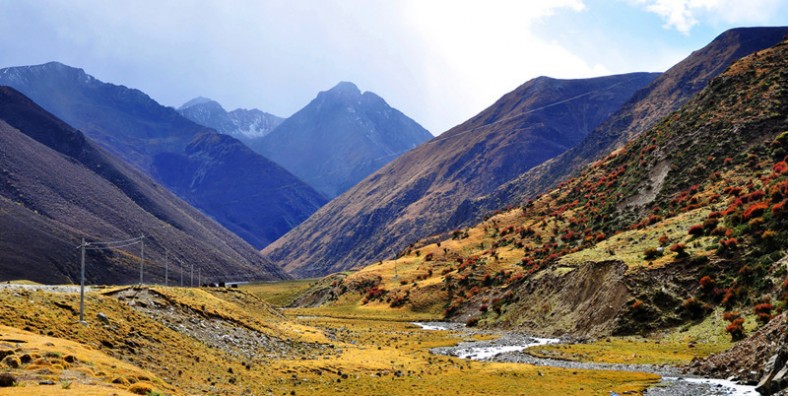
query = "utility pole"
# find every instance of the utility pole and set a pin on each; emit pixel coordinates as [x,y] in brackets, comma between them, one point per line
[142,256]
[396,274]
[82,286]
[166,267]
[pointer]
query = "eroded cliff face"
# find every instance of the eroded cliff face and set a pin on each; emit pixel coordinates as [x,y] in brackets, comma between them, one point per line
[594,299]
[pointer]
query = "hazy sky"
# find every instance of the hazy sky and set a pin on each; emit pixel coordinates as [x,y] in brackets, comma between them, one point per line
[440,62]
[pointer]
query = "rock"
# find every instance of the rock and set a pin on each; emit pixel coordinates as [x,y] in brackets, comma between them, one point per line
[103,318]
[775,378]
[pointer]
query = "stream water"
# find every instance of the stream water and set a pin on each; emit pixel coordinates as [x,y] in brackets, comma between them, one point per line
[509,347]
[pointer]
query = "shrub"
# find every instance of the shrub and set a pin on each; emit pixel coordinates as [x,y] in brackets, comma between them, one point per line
[769,234]
[780,167]
[755,210]
[694,308]
[764,312]
[710,224]
[730,297]
[664,240]
[497,305]
[680,250]
[483,308]
[730,316]
[729,244]
[696,230]
[779,210]
[6,380]
[141,388]
[707,284]
[472,322]
[636,305]
[374,293]
[736,329]
[651,253]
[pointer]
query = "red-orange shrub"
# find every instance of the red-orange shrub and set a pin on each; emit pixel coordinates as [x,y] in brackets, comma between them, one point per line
[707,284]
[730,316]
[696,229]
[779,210]
[764,312]
[755,210]
[736,329]
[680,249]
[780,168]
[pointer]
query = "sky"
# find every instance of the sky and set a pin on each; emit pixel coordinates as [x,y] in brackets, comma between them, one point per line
[438,61]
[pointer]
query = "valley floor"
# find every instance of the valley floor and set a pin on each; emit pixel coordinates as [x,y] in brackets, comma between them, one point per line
[180,341]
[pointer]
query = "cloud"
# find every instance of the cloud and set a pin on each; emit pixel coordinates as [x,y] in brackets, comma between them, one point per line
[478,51]
[683,15]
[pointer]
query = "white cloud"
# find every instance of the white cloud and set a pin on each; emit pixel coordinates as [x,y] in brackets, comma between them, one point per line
[479,51]
[682,15]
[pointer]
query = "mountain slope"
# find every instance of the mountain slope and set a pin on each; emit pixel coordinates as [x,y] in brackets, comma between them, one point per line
[56,187]
[687,218]
[340,138]
[666,94]
[137,129]
[243,124]
[221,174]
[414,196]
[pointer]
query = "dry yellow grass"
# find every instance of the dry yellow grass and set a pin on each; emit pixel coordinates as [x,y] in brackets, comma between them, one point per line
[380,357]
[357,356]
[75,369]
[280,294]
[676,346]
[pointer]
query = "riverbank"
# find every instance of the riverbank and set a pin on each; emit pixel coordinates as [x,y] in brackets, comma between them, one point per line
[509,347]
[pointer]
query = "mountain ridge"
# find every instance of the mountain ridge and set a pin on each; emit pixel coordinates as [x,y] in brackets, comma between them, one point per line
[137,129]
[340,137]
[67,187]
[246,125]
[410,195]
[664,95]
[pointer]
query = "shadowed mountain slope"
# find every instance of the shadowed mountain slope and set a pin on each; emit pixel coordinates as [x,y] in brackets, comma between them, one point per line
[340,138]
[57,186]
[139,130]
[415,195]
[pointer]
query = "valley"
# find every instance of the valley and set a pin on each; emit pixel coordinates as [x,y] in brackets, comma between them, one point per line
[621,234]
[238,344]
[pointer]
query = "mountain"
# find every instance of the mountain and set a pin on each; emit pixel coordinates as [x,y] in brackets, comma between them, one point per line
[340,138]
[243,124]
[221,174]
[137,129]
[684,222]
[664,95]
[415,195]
[57,186]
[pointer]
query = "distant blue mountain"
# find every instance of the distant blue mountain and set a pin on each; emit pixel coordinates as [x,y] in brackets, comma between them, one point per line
[248,194]
[246,125]
[340,138]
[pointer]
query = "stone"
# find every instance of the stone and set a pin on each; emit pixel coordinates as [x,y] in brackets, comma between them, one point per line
[103,318]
